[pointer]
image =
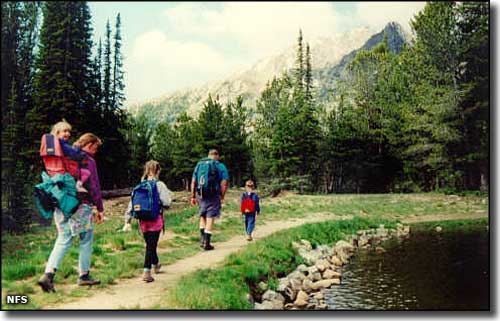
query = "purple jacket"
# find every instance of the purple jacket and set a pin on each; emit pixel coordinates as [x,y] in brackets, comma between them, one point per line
[95,186]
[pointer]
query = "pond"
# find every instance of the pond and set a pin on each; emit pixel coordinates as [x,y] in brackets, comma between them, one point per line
[428,271]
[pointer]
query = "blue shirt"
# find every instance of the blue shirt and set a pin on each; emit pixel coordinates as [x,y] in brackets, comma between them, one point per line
[71,152]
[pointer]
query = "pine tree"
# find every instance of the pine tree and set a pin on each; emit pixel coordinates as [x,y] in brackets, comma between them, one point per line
[118,80]
[107,89]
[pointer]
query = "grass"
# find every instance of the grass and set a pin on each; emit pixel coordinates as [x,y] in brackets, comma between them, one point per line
[120,255]
[227,287]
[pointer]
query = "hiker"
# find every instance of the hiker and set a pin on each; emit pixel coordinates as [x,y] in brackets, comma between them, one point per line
[62,131]
[150,226]
[81,223]
[210,180]
[250,207]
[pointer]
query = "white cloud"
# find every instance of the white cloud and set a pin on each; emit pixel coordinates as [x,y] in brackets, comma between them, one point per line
[259,28]
[378,14]
[168,64]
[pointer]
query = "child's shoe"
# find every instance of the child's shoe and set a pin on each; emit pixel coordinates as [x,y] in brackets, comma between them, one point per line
[80,188]
[156,268]
[147,277]
[249,237]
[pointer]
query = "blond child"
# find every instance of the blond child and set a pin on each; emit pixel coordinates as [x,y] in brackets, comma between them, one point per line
[62,131]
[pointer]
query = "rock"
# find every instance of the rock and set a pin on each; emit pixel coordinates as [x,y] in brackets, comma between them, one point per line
[296,275]
[325,250]
[322,306]
[318,296]
[311,306]
[312,269]
[307,285]
[300,303]
[322,265]
[295,285]
[323,284]
[363,240]
[306,244]
[309,256]
[335,281]
[330,274]
[282,284]
[439,229]
[265,305]
[301,268]
[290,294]
[316,276]
[250,299]
[262,286]
[336,261]
[380,249]
[288,305]
[270,295]
[302,296]
[406,229]
[278,304]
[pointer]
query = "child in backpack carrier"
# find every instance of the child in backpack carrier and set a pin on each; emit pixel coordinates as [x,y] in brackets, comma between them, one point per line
[62,132]
[250,207]
[151,224]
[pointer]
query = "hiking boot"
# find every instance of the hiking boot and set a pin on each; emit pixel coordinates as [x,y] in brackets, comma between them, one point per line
[202,237]
[147,277]
[249,237]
[87,280]
[157,268]
[46,282]
[208,247]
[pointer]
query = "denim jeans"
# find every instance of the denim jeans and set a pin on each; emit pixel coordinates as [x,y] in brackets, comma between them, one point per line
[249,223]
[62,245]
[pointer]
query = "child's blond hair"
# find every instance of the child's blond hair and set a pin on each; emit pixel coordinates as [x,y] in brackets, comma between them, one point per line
[60,126]
[152,168]
[250,184]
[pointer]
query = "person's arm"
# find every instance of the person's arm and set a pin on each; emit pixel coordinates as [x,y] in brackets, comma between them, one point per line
[165,198]
[193,185]
[257,204]
[71,152]
[225,180]
[95,188]
[223,189]
[128,218]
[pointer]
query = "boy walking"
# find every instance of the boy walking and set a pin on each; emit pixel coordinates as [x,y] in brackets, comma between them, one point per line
[250,207]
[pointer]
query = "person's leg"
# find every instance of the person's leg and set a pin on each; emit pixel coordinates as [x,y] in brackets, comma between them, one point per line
[61,247]
[149,238]
[154,258]
[203,224]
[208,233]
[246,223]
[251,225]
[84,259]
[85,254]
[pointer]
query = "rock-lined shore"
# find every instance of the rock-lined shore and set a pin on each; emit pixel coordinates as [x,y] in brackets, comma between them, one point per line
[303,288]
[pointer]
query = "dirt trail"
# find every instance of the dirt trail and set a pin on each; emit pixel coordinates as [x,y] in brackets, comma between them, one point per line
[129,293]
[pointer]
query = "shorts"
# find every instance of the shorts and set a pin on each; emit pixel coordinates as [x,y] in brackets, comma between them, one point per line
[210,207]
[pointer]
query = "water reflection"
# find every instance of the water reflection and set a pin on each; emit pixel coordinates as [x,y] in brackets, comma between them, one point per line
[428,271]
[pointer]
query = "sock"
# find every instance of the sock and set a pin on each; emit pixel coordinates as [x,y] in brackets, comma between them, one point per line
[147,270]
[202,231]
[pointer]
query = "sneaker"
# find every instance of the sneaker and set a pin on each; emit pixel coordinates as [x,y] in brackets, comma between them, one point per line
[249,237]
[46,282]
[147,277]
[87,280]
[157,268]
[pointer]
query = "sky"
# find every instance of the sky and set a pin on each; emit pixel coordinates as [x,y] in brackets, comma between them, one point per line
[169,46]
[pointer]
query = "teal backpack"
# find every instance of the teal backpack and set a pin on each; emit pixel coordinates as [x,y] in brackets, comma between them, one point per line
[207,178]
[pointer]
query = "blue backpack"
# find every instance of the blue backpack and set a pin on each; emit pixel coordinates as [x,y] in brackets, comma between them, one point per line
[207,178]
[146,201]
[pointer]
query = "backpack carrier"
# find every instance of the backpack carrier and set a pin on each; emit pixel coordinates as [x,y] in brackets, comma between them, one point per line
[207,178]
[54,160]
